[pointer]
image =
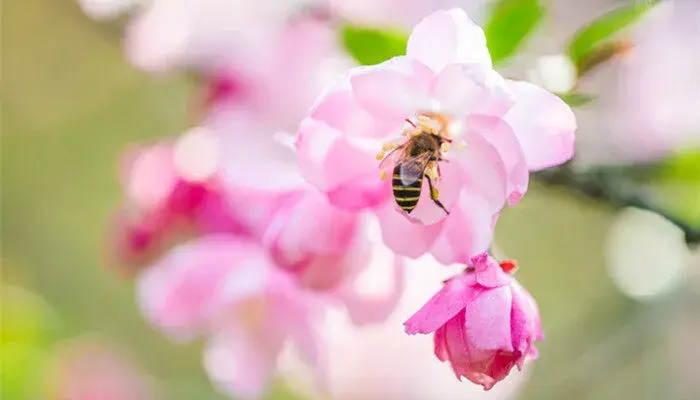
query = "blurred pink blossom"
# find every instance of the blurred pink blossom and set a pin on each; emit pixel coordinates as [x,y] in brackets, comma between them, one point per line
[227,287]
[484,322]
[652,108]
[381,361]
[88,369]
[498,130]
[255,288]
[166,202]
[401,14]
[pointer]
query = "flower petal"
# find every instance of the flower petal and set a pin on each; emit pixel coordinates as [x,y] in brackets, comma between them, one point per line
[449,185]
[487,320]
[488,272]
[241,364]
[467,232]
[454,296]
[500,135]
[544,125]
[484,170]
[448,37]
[525,323]
[440,347]
[392,90]
[407,238]
[462,89]
[339,110]
[193,284]
[342,168]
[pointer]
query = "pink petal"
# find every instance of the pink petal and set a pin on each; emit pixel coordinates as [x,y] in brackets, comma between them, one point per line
[190,286]
[440,347]
[339,110]
[525,323]
[488,272]
[364,309]
[466,232]
[241,364]
[158,39]
[500,135]
[393,90]
[448,37]
[484,170]
[148,175]
[544,125]
[464,89]
[487,320]
[332,163]
[410,239]
[449,186]
[455,295]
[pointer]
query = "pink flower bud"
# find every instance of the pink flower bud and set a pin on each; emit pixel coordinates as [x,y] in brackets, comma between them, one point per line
[484,322]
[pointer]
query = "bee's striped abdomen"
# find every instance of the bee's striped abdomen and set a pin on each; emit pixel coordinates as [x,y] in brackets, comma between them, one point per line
[406,196]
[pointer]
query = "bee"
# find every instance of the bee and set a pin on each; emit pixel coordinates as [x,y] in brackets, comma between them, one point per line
[415,159]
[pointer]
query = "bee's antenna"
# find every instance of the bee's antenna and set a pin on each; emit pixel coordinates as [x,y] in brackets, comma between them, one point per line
[411,122]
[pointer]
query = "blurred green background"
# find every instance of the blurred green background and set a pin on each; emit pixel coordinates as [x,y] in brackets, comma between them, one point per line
[70,103]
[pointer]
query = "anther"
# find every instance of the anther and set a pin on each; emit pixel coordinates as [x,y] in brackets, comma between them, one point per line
[380,155]
[461,145]
[382,175]
[445,147]
[388,146]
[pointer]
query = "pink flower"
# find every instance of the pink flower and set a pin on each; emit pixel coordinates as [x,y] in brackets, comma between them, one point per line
[445,85]
[229,288]
[632,124]
[167,200]
[88,369]
[405,368]
[484,322]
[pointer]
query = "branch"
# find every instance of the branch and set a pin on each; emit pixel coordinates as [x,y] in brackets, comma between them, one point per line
[611,188]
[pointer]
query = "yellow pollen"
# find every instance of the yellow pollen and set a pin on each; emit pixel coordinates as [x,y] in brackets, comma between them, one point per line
[388,146]
[445,147]
[431,173]
[416,132]
[461,145]
[380,155]
[382,175]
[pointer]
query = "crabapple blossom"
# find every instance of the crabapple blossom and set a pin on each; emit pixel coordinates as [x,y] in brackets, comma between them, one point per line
[89,369]
[228,287]
[648,108]
[406,370]
[492,132]
[484,322]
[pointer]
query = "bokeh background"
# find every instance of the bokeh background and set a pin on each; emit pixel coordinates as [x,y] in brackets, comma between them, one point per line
[618,326]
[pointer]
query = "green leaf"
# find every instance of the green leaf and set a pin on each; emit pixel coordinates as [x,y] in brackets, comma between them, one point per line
[510,22]
[681,167]
[589,38]
[576,99]
[370,46]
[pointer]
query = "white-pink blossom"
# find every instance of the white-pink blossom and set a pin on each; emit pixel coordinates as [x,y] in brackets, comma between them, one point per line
[445,85]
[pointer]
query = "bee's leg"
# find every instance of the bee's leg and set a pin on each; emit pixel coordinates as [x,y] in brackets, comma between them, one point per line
[434,194]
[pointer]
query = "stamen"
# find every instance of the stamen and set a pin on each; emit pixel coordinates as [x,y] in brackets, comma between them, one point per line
[382,175]
[445,147]
[389,146]
[381,155]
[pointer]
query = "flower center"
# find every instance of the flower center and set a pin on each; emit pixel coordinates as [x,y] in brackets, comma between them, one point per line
[413,140]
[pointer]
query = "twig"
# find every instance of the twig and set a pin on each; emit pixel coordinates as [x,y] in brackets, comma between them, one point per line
[603,186]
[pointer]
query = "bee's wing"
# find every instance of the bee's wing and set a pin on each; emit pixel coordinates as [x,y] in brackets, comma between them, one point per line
[412,169]
[394,157]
